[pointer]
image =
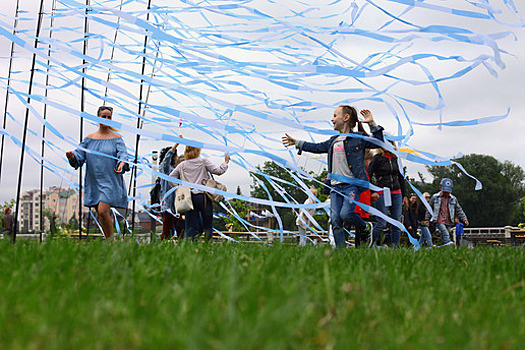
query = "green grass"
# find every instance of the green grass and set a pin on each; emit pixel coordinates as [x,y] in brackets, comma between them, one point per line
[95,295]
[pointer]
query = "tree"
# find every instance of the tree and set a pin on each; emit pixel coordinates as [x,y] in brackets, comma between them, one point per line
[497,204]
[522,212]
[242,210]
[72,223]
[291,189]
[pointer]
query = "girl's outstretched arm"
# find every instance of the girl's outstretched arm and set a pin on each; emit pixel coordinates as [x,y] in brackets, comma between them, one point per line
[288,140]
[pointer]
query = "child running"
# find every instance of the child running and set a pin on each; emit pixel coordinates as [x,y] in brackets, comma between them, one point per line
[345,163]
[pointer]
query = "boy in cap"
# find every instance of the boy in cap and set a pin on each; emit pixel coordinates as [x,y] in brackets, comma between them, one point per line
[445,207]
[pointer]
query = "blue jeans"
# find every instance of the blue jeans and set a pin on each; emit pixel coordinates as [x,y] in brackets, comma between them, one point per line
[425,236]
[445,232]
[395,213]
[302,235]
[201,217]
[342,210]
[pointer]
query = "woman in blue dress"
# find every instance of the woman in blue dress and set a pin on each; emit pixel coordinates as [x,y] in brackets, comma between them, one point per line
[104,183]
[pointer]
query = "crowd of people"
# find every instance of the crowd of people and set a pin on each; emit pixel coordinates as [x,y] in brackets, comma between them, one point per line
[355,159]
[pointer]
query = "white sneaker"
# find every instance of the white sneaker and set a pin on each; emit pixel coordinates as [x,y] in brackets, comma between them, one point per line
[452,244]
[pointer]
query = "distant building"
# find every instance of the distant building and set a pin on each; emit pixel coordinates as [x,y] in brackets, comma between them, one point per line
[29,217]
[59,201]
[63,203]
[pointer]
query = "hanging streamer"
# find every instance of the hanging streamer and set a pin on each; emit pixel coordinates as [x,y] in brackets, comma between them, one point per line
[233,76]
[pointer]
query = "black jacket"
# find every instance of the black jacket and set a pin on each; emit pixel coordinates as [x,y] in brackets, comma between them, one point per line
[421,212]
[410,217]
[386,173]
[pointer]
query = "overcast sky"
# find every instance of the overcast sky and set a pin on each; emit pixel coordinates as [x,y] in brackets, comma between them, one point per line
[475,95]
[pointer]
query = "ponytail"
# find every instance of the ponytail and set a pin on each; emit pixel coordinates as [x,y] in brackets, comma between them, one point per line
[346,109]
[360,128]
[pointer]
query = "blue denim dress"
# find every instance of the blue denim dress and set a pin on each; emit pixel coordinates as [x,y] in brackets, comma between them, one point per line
[102,183]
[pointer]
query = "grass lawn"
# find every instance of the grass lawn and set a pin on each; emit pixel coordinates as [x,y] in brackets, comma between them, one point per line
[95,295]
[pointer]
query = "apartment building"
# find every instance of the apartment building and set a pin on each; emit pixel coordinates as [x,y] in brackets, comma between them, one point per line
[63,203]
[29,217]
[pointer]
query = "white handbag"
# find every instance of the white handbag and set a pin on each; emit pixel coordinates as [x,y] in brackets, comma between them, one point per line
[182,200]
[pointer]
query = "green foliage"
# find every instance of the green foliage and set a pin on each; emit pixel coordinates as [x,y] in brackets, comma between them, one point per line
[99,295]
[49,214]
[290,187]
[72,223]
[497,204]
[6,204]
[522,206]
[241,208]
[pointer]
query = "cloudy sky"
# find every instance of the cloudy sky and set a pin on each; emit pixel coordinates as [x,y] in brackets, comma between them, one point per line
[475,95]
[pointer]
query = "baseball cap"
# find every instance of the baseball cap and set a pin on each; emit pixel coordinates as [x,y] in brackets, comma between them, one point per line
[446,185]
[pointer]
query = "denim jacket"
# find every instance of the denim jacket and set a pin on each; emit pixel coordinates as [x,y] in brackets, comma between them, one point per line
[166,168]
[453,207]
[354,150]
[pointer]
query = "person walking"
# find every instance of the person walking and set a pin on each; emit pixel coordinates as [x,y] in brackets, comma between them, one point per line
[170,222]
[345,165]
[105,155]
[195,169]
[303,221]
[426,237]
[384,172]
[8,223]
[410,209]
[445,207]
[364,198]
[460,233]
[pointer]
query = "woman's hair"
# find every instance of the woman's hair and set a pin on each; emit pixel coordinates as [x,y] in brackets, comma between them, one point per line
[382,150]
[369,154]
[163,154]
[314,191]
[104,108]
[353,121]
[7,210]
[179,159]
[191,152]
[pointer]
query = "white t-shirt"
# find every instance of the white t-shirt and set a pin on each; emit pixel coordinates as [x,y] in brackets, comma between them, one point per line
[339,162]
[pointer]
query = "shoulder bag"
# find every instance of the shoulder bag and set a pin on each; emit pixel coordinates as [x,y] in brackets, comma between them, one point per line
[182,200]
[211,182]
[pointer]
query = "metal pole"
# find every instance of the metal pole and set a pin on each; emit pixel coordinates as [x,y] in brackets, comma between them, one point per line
[26,120]
[139,126]
[113,50]
[88,222]
[82,109]
[44,126]
[8,85]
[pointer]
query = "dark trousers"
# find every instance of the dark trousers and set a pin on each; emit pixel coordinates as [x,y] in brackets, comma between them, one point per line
[170,223]
[200,218]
